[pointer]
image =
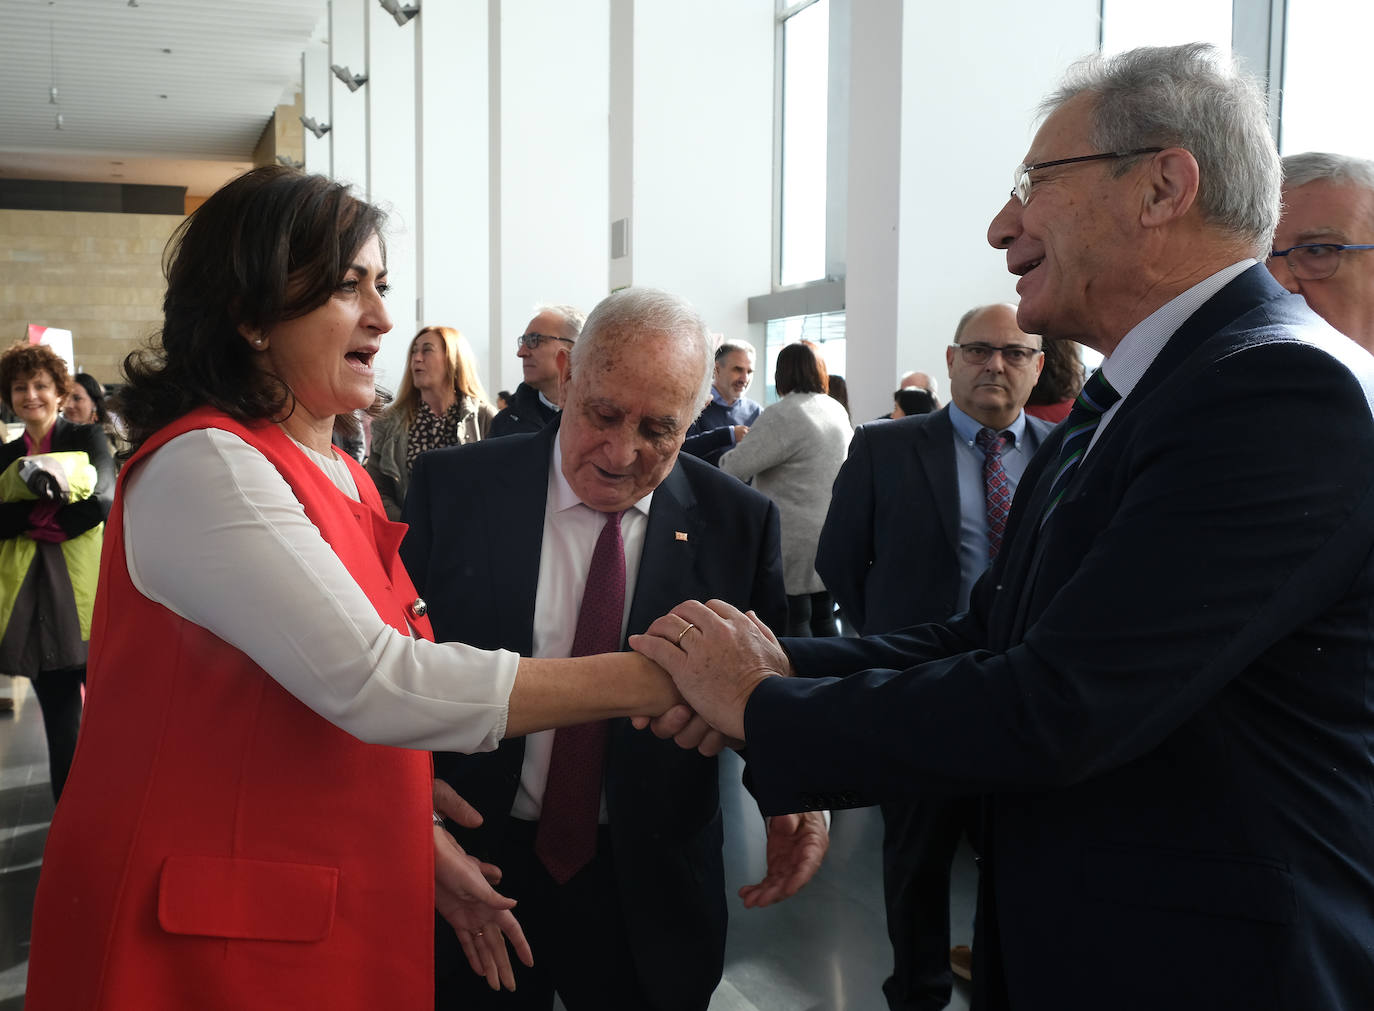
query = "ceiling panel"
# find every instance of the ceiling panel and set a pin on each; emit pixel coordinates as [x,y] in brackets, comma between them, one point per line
[145,82]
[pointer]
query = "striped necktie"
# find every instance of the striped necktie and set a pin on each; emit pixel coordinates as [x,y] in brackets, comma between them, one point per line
[1095,400]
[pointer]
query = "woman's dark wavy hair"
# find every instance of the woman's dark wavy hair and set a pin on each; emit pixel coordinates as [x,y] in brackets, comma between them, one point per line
[1061,378]
[271,246]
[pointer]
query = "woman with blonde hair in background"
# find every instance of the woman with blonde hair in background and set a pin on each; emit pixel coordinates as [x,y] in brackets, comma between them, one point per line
[441,403]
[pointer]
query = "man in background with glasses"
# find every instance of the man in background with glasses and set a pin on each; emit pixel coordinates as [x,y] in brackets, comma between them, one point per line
[542,349]
[1162,686]
[1324,245]
[918,511]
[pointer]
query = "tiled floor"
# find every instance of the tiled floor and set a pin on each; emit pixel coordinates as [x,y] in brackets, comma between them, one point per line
[823,950]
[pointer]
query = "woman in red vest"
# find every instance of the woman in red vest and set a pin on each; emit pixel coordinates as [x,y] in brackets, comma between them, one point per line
[249,818]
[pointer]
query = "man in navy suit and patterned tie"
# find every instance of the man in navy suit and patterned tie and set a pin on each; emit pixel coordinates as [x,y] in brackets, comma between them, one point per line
[917,513]
[1163,687]
[555,544]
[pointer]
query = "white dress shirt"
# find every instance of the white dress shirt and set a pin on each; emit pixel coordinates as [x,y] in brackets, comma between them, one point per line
[571,530]
[1132,358]
[213,532]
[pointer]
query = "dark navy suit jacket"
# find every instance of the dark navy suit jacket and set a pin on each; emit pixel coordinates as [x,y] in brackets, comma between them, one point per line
[1167,690]
[889,550]
[476,516]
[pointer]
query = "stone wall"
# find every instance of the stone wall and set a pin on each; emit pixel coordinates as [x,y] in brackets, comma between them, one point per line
[97,275]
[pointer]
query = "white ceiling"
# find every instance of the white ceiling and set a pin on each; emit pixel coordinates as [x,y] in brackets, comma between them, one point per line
[165,92]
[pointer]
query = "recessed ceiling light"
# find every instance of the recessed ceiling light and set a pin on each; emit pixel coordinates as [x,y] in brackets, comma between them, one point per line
[116,163]
[166,50]
[161,96]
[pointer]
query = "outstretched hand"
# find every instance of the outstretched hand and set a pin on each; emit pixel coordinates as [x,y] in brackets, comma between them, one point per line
[688,731]
[797,843]
[717,655]
[464,896]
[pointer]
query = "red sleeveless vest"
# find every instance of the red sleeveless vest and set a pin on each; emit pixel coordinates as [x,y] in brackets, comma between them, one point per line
[219,845]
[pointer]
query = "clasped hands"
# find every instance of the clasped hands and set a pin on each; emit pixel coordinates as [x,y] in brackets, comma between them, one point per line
[716,655]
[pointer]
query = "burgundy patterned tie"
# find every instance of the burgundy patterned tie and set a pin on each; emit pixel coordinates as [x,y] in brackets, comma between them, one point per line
[566,838]
[996,487]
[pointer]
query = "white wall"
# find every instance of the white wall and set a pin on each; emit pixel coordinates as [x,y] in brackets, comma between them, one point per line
[971,83]
[348,109]
[554,195]
[703,142]
[454,181]
[505,173]
[391,147]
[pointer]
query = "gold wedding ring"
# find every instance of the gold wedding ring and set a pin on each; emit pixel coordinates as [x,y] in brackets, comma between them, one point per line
[689,627]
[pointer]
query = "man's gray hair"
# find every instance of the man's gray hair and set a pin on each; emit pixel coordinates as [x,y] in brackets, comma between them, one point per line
[631,313]
[574,319]
[1322,166]
[1187,96]
[731,346]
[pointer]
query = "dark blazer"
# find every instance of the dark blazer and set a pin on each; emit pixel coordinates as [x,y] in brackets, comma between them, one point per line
[476,516]
[525,413]
[77,517]
[1168,691]
[889,550]
[710,436]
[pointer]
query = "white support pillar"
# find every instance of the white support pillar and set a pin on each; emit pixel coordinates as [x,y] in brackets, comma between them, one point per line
[348,109]
[392,150]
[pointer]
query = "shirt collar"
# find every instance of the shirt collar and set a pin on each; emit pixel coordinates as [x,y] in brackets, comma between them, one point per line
[967,428]
[1132,358]
[715,396]
[547,402]
[561,494]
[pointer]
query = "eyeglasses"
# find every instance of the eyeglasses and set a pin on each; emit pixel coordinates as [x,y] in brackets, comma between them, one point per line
[1021,179]
[1015,355]
[533,340]
[1313,261]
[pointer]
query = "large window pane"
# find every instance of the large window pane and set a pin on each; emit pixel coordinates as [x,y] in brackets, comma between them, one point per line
[1325,75]
[1127,24]
[805,73]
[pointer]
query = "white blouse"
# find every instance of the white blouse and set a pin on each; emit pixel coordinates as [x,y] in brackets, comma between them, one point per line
[213,532]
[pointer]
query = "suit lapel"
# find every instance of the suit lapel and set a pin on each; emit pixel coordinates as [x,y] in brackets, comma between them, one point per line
[1242,294]
[934,449]
[671,541]
[515,532]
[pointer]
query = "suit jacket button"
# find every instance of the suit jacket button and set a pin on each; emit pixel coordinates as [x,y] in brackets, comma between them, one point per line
[417,608]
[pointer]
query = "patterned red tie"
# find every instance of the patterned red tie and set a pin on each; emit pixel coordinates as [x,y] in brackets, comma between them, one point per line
[996,487]
[566,838]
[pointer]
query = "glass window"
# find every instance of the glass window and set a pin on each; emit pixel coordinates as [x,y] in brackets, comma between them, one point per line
[805,91]
[824,328]
[1130,23]
[1325,70]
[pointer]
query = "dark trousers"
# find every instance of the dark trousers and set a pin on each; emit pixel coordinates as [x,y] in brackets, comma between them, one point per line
[811,614]
[578,935]
[59,698]
[919,843]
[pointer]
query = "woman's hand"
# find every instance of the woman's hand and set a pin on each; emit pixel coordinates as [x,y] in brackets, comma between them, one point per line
[464,896]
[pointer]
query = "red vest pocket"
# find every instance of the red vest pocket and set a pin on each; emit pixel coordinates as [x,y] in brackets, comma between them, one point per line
[251,899]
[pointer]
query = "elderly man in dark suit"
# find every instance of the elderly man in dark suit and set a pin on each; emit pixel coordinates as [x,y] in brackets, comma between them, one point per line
[918,511]
[609,838]
[1163,684]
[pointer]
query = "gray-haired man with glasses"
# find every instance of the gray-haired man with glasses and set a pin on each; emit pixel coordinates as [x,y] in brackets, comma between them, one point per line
[1323,240]
[541,349]
[1161,688]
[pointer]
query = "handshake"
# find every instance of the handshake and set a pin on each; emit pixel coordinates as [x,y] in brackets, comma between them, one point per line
[716,656]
